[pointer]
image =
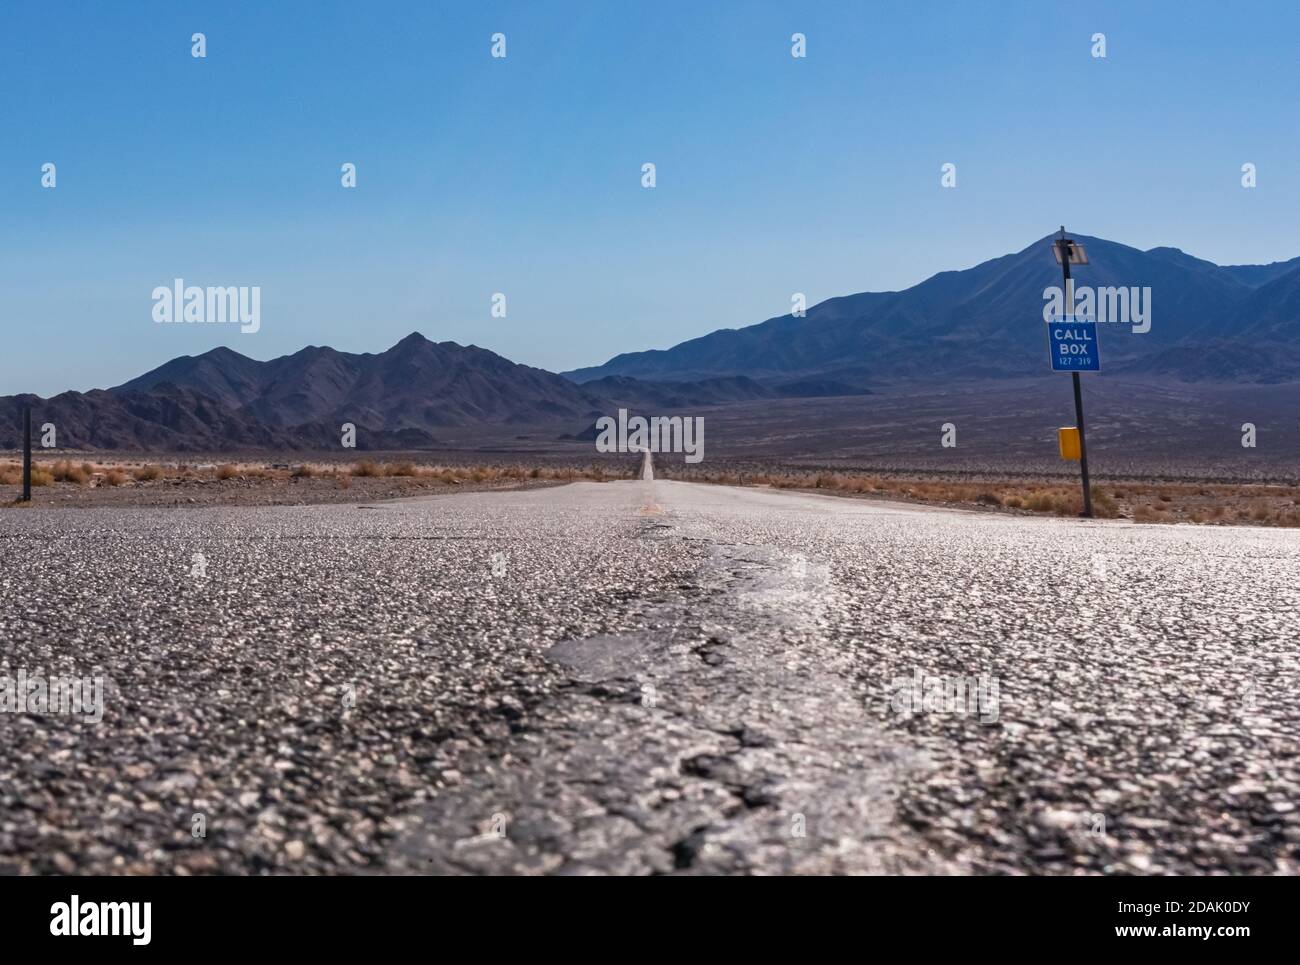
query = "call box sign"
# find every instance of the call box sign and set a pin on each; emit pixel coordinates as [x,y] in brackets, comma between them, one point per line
[1072,344]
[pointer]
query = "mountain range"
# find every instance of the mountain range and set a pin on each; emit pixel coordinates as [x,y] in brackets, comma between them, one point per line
[397,399]
[1209,324]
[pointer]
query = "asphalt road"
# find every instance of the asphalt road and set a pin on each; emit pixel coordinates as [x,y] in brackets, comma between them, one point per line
[649,676]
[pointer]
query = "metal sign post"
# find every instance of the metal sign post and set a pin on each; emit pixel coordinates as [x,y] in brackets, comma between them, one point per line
[1066,252]
[27,454]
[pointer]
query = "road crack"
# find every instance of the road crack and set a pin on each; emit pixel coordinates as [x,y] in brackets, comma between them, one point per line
[722,737]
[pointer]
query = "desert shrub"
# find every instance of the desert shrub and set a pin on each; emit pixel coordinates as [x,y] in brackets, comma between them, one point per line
[1040,502]
[400,469]
[40,477]
[115,477]
[227,471]
[145,473]
[366,468]
[65,471]
[1103,504]
[304,471]
[989,499]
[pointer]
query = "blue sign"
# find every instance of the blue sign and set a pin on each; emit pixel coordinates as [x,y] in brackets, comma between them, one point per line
[1072,343]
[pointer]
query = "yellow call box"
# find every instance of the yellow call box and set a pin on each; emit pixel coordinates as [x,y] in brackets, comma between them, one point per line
[1068,439]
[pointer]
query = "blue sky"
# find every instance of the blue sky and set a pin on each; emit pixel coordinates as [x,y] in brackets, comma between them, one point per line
[523,175]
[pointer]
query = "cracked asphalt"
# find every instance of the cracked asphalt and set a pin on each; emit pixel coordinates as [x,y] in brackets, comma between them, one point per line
[649,677]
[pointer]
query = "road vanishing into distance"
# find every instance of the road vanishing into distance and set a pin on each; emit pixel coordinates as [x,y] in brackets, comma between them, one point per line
[649,676]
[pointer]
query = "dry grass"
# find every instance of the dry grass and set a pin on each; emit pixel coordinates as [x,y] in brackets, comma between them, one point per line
[455,475]
[1103,503]
[65,470]
[11,474]
[1199,503]
[1204,503]
[1195,503]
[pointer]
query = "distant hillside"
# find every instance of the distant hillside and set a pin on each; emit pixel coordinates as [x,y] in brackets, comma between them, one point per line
[1209,323]
[397,399]
[416,384]
[171,419]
